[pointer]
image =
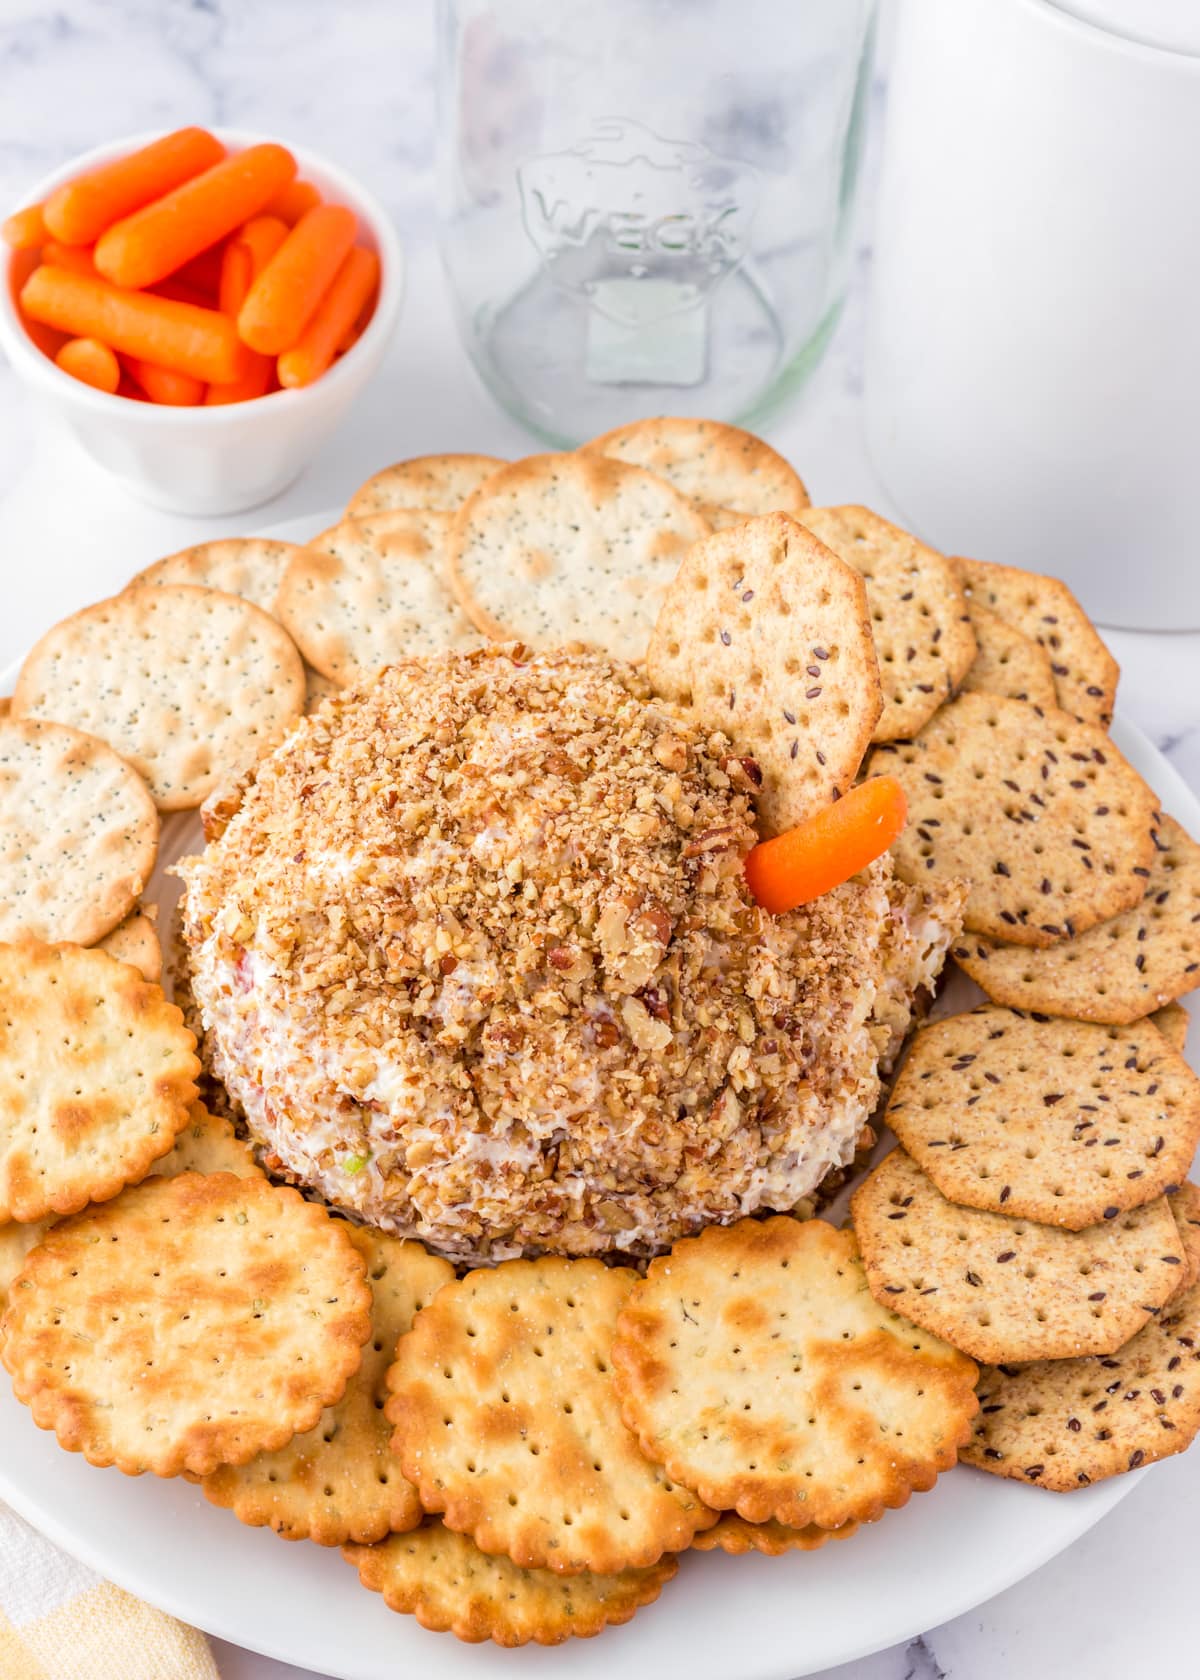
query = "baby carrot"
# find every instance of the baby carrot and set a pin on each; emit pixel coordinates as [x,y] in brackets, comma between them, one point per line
[336,314]
[156,240]
[296,200]
[253,383]
[78,258]
[79,211]
[800,865]
[92,362]
[203,272]
[286,294]
[246,254]
[25,228]
[202,342]
[164,385]
[263,235]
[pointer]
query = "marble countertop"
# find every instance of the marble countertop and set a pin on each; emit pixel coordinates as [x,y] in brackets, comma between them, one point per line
[355,81]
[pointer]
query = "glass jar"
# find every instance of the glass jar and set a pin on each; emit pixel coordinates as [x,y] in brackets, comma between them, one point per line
[645,205]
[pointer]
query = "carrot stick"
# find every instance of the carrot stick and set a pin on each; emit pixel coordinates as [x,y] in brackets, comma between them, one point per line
[164,385]
[286,294]
[247,253]
[79,211]
[295,201]
[201,342]
[162,236]
[25,228]
[78,258]
[203,272]
[336,314]
[800,865]
[180,292]
[253,383]
[92,362]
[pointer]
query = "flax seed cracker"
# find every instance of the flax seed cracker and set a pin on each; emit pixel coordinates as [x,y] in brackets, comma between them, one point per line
[185,683]
[450,1586]
[339,1481]
[251,567]
[441,483]
[370,592]
[728,475]
[194,1321]
[78,834]
[135,941]
[733,1534]
[1118,971]
[1172,1021]
[754,1365]
[1065,1423]
[534,1460]
[1008,1289]
[559,548]
[765,633]
[1008,662]
[919,619]
[1058,1121]
[1185,1206]
[1085,672]
[1051,826]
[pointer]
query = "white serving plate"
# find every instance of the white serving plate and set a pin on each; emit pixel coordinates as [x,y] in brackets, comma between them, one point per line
[752,1618]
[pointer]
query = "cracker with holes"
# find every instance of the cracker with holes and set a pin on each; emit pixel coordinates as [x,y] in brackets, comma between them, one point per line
[561,547]
[923,635]
[733,1534]
[754,1365]
[251,567]
[339,1481]
[440,483]
[1010,1289]
[1008,662]
[208,1143]
[1063,1424]
[78,834]
[450,1586]
[1085,672]
[370,592]
[1059,1121]
[194,1321]
[185,683]
[1185,1206]
[1172,1021]
[507,1422]
[135,941]
[317,689]
[97,1073]
[765,634]
[1039,812]
[1118,971]
[727,474]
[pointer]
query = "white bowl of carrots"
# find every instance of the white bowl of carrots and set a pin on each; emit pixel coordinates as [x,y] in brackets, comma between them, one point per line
[201,308]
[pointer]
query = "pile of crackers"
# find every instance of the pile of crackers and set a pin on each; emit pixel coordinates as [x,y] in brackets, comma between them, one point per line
[523,1453]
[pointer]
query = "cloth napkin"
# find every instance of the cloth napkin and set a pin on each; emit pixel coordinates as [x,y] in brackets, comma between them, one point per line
[59,1621]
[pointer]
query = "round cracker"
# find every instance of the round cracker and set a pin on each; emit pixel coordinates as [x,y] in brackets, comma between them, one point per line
[78,834]
[1185,1208]
[251,567]
[1008,662]
[339,1482]
[135,941]
[371,591]
[194,1321]
[184,683]
[562,548]
[727,474]
[733,1534]
[97,1072]
[450,1586]
[441,483]
[208,1143]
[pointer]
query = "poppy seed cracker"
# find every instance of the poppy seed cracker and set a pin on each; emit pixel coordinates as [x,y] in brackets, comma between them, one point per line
[1008,662]
[251,567]
[439,483]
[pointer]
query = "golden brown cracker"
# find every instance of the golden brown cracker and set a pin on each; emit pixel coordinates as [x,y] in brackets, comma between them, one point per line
[727,474]
[441,483]
[733,1534]
[135,941]
[1008,662]
[251,567]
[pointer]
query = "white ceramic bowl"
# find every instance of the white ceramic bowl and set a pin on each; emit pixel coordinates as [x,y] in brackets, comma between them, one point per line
[223,459]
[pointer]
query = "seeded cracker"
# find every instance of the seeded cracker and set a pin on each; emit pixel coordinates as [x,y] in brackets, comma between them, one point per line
[317,688]
[194,1321]
[185,683]
[1062,1424]
[1008,663]
[765,633]
[1008,1289]
[1118,971]
[1085,672]
[452,1587]
[1185,1206]
[753,1363]
[339,1480]
[440,483]
[78,834]
[922,630]
[1051,826]
[251,567]
[370,592]
[135,941]
[559,547]
[1172,1022]
[733,1534]
[728,475]
[1058,1121]
[97,1072]
[534,1461]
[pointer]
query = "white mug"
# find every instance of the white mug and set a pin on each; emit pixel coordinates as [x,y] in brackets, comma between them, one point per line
[1033,357]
